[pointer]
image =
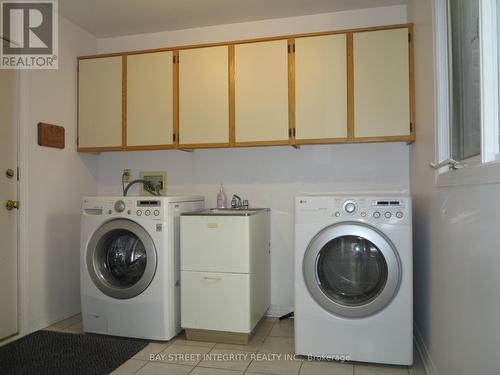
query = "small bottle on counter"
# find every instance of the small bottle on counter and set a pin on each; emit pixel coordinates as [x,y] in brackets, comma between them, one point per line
[221,198]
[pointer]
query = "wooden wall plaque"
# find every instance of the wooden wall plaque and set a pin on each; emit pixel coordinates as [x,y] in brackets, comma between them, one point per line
[51,135]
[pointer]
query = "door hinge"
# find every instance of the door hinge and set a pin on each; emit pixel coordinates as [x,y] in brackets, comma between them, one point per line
[174,137]
[291,48]
[409,37]
[18,173]
[411,127]
[293,132]
[290,132]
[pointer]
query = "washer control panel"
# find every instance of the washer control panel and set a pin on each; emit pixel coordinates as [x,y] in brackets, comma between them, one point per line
[149,208]
[125,207]
[374,209]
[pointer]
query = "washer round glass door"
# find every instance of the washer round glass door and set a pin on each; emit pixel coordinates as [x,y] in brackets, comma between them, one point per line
[351,269]
[121,259]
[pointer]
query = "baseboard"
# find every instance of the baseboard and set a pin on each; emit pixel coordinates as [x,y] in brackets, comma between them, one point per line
[275,311]
[45,321]
[429,367]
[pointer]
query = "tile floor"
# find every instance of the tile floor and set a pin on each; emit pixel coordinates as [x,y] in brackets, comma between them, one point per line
[265,354]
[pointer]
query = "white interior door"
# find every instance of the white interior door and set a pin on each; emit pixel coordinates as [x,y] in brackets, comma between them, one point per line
[8,193]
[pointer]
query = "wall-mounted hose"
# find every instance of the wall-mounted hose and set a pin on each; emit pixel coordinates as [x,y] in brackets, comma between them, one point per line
[148,186]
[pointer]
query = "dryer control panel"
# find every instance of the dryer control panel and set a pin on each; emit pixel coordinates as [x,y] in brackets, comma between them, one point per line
[393,210]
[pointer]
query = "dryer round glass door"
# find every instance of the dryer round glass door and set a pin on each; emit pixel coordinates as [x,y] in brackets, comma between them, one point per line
[352,269]
[121,259]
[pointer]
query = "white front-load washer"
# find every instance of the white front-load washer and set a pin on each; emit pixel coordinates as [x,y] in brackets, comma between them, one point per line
[353,278]
[130,266]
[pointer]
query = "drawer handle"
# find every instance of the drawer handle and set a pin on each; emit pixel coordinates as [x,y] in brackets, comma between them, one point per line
[212,278]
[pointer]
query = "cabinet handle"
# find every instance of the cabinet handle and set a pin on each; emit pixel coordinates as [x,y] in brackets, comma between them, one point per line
[212,278]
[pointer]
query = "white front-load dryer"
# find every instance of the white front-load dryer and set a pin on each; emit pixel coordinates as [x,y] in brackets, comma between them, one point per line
[129,265]
[353,278]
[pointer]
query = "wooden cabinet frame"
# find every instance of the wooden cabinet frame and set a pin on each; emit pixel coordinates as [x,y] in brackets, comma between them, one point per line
[230,142]
[291,94]
[411,69]
[175,114]
[98,149]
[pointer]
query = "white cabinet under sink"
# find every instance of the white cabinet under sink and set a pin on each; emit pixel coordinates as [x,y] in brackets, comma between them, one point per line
[225,274]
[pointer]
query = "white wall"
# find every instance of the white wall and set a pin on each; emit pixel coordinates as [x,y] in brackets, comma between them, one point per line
[53,183]
[268,177]
[258,29]
[456,247]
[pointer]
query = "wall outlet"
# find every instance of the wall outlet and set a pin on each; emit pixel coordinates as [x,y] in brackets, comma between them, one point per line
[126,175]
[157,179]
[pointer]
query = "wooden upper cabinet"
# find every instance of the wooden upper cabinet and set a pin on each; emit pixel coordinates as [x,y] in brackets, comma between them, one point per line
[352,86]
[320,88]
[261,93]
[149,99]
[100,103]
[204,97]
[381,83]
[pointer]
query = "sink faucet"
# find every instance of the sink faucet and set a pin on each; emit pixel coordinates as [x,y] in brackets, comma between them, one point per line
[236,202]
[239,204]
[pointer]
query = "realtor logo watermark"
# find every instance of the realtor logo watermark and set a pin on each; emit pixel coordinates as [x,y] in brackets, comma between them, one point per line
[29,35]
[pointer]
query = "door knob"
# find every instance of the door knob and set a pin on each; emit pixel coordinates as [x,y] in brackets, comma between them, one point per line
[10,205]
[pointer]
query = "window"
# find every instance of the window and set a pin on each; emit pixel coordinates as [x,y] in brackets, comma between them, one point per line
[467,65]
[464,78]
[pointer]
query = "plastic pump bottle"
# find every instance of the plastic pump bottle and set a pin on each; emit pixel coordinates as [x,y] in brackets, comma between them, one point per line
[221,198]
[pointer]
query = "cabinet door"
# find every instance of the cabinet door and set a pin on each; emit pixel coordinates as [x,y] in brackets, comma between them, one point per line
[321,88]
[261,92]
[381,83]
[149,99]
[100,103]
[204,96]
[221,244]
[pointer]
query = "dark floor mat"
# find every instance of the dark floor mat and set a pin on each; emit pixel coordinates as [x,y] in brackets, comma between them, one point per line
[47,352]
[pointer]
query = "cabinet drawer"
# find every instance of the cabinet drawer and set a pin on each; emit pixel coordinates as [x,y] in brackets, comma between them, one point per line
[215,301]
[215,244]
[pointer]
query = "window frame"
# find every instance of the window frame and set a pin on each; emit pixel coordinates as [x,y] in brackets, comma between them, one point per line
[484,168]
